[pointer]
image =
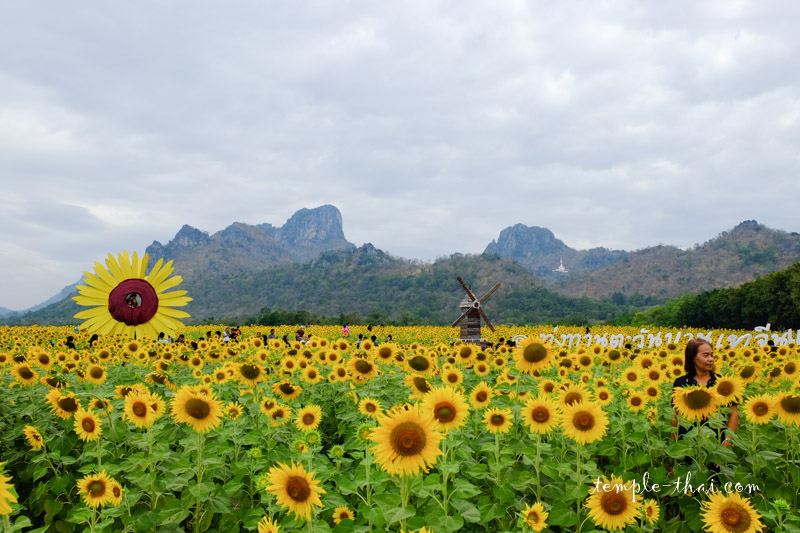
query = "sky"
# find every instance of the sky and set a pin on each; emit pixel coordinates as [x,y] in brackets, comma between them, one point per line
[431,125]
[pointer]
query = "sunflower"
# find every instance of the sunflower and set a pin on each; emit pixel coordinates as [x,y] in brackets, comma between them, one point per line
[87,425]
[342,513]
[233,410]
[535,516]
[452,377]
[201,412]
[33,437]
[295,489]
[96,374]
[362,369]
[419,386]
[115,498]
[311,375]
[250,374]
[573,393]
[604,395]
[286,390]
[694,403]
[583,422]
[613,504]
[541,414]
[631,377]
[651,511]
[7,497]
[280,415]
[729,390]
[759,409]
[138,410]
[308,417]
[369,407]
[406,442]
[637,402]
[532,355]
[126,300]
[24,374]
[63,406]
[268,525]
[96,489]
[548,386]
[448,407]
[787,408]
[498,420]
[421,364]
[731,514]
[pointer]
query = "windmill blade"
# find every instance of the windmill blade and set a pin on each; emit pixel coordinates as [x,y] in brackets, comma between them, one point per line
[469,292]
[485,296]
[459,319]
[486,319]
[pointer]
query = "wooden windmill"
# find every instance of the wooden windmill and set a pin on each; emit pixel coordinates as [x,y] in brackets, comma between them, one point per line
[471,315]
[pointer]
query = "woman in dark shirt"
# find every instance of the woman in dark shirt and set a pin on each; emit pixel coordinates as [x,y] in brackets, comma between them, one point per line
[699,366]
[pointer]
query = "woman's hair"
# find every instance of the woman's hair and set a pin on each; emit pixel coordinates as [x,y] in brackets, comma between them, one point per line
[691,352]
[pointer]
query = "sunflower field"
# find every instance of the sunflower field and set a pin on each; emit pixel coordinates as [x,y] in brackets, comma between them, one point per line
[423,433]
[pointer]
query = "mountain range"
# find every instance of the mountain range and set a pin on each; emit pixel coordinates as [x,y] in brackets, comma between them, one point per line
[307,263]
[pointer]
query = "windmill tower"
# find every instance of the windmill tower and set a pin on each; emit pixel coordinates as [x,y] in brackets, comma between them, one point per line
[471,313]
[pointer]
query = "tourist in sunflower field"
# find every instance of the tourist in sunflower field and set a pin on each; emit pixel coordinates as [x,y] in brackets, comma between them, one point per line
[699,367]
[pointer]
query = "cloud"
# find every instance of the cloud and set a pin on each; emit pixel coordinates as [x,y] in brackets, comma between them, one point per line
[431,125]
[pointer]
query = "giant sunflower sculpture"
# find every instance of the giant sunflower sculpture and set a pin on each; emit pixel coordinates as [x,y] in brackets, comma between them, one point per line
[125,299]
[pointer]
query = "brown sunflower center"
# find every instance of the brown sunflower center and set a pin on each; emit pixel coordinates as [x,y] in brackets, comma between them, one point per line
[532,518]
[791,404]
[298,488]
[96,372]
[419,363]
[654,375]
[603,395]
[481,396]
[614,503]
[139,409]
[636,401]
[408,439]
[465,352]
[452,377]
[421,384]
[286,388]
[572,397]
[384,352]
[44,359]
[534,352]
[88,425]
[698,399]
[444,412]
[198,408]
[363,367]
[25,373]
[540,414]
[747,372]
[760,408]
[631,376]
[613,355]
[585,360]
[68,404]
[96,488]
[725,388]
[250,371]
[583,420]
[735,517]
[497,419]
[309,419]
[549,387]
[370,407]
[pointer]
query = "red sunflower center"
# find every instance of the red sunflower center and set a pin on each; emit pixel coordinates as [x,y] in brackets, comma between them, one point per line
[133,301]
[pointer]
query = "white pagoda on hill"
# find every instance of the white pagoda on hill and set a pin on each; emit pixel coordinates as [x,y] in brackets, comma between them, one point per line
[561,268]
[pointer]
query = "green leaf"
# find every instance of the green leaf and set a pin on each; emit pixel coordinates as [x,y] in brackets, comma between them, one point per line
[468,511]
[679,449]
[504,493]
[399,513]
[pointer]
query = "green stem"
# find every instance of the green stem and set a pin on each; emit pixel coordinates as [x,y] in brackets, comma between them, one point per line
[580,484]
[404,499]
[99,453]
[199,506]
[6,524]
[536,465]
[445,450]
[368,487]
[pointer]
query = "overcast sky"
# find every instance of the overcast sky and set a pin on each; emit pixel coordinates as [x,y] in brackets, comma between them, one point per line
[431,125]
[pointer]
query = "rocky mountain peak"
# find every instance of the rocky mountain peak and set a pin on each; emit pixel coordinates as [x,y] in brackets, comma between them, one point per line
[308,227]
[520,240]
